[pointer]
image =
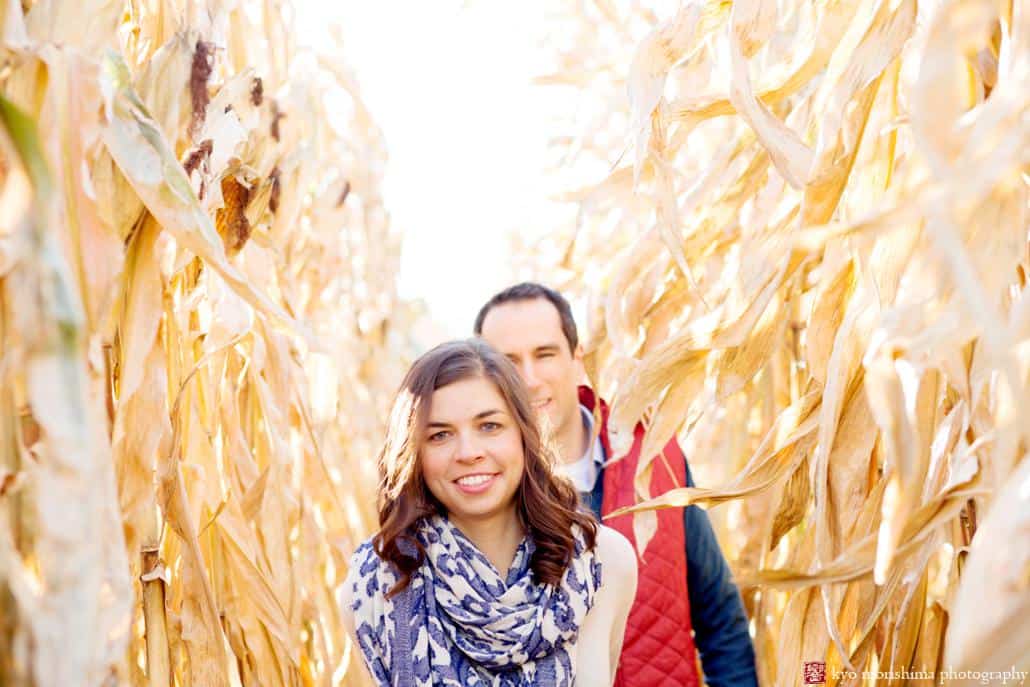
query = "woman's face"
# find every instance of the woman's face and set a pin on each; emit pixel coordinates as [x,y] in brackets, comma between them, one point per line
[471,451]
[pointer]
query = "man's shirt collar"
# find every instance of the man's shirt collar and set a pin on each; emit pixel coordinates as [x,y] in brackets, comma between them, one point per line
[584,471]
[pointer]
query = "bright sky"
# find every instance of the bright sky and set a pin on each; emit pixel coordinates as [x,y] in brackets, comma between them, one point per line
[449,83]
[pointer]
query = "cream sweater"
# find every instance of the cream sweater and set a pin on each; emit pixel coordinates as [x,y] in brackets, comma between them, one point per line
[600,636]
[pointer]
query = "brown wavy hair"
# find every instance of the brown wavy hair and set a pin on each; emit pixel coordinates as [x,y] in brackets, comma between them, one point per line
[547,505]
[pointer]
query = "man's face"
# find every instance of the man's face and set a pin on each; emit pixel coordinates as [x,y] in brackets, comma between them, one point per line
[529,333]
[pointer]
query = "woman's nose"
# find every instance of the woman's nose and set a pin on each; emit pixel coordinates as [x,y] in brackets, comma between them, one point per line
[469,449]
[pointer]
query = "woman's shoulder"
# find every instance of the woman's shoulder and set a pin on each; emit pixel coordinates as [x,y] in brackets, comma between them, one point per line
[363,561]
[612,544]
[363,595]
[365,554]
[617,556]
[368,572]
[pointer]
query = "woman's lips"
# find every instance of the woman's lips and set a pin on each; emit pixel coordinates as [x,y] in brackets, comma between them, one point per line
[478,483]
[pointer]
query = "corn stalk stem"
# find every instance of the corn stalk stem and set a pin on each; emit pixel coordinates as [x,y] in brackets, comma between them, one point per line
[158,654]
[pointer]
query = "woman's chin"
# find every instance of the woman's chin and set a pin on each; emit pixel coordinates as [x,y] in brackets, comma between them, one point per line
[479,509]
[468,511]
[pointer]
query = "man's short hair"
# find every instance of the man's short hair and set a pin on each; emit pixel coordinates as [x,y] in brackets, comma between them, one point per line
[528,291]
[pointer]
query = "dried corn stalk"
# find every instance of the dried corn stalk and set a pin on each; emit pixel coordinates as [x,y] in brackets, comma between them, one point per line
[805,246]
[197,316]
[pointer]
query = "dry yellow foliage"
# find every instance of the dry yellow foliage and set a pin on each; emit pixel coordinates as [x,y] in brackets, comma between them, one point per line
[807,253]
[198,331]
[805,250]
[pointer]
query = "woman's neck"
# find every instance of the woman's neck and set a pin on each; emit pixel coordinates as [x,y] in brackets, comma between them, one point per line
[497,536]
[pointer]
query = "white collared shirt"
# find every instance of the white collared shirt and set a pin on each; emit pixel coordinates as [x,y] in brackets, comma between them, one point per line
[583,472]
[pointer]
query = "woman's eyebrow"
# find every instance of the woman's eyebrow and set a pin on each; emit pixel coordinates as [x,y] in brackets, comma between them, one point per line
[479,416]
[488,413]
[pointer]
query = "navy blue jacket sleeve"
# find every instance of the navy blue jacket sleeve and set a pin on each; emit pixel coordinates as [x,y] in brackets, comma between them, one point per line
[716,611]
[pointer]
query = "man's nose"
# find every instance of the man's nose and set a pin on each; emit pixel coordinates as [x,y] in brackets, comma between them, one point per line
[529,375]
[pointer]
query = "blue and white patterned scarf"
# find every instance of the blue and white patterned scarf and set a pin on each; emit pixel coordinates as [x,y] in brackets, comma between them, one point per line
[460,624]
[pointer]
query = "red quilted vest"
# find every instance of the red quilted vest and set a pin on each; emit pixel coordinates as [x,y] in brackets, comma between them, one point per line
[658,649]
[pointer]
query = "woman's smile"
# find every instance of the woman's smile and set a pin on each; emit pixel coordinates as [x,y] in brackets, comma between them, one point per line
[476,483]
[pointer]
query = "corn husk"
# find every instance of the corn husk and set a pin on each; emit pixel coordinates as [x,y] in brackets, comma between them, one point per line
[198,324]
[808,260]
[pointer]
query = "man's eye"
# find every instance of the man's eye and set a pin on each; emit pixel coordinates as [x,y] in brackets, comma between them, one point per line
[546,355]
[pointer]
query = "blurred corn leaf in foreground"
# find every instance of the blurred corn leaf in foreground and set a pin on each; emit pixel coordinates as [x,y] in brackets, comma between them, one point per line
[803,234]
[198,330]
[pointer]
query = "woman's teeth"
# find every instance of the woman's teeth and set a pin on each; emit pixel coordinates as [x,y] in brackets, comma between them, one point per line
[473,480]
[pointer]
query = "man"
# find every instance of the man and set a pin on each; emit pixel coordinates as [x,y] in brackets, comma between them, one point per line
[685,593]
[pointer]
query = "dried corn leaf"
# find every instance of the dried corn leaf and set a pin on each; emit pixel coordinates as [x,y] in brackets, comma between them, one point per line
[896,189]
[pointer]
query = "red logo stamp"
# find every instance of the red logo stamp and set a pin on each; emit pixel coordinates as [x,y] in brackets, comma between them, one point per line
[815,673]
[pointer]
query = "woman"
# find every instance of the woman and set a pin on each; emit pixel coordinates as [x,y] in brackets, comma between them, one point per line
[484,571]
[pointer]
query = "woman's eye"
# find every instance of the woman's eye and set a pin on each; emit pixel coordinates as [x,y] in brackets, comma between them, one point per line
[490,426]
[438,436]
